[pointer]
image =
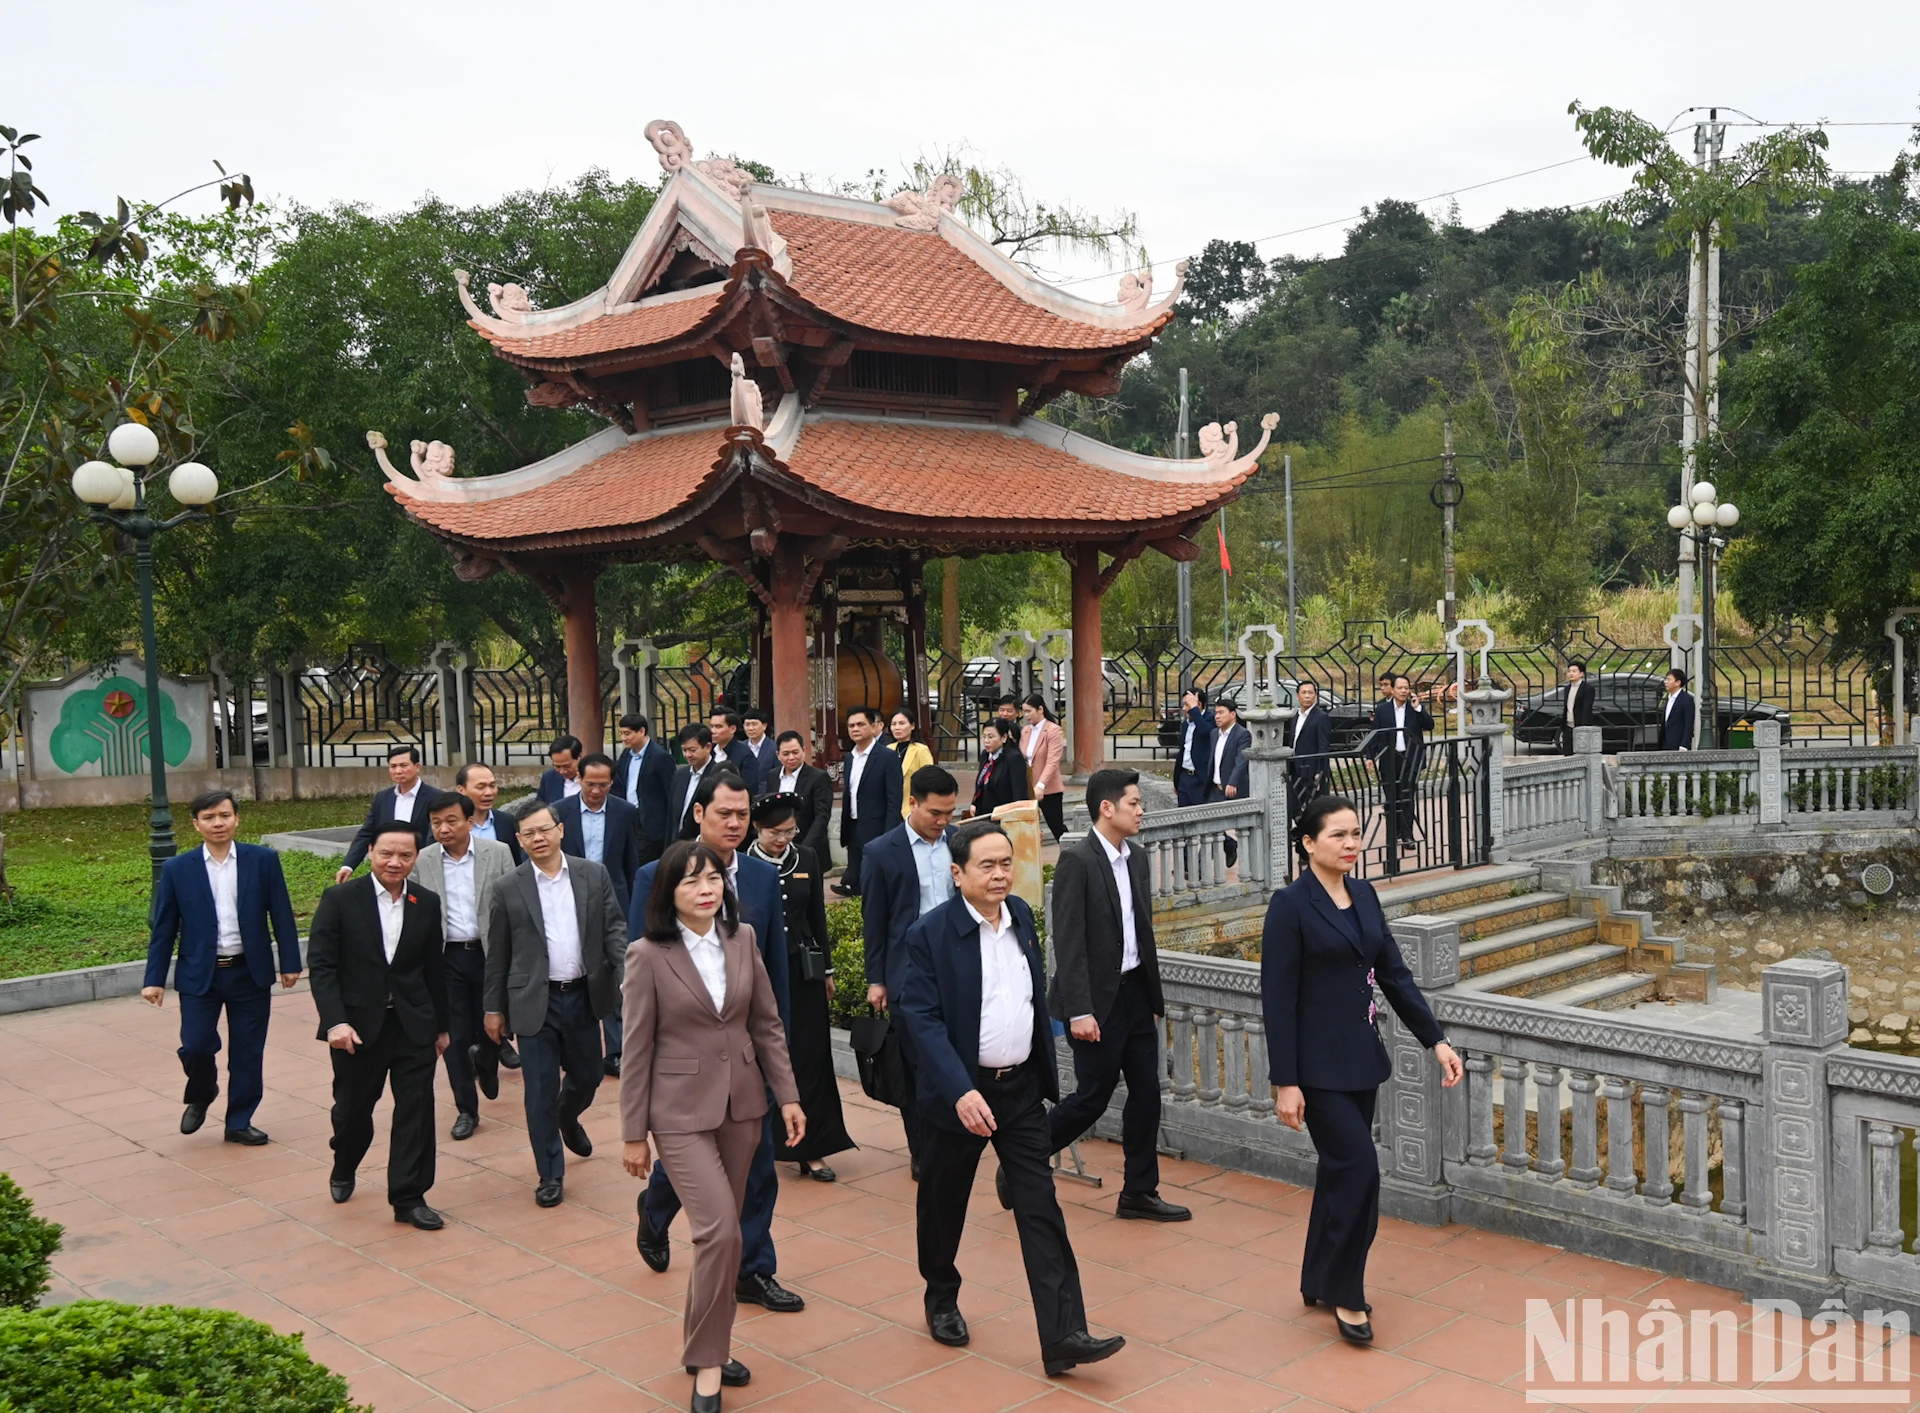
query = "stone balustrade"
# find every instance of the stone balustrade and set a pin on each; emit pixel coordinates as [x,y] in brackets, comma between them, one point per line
[1187,859]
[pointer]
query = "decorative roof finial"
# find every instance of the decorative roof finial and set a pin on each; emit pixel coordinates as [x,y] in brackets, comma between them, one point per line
[922,210]
[746,398]
[1220,446]
[510,302]
[1136,291]
[432,461]
[669,141]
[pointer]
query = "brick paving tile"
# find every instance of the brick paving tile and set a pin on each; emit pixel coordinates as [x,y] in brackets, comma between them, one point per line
[513,1307]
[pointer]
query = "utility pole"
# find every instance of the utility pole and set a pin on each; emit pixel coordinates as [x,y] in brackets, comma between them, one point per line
[1184,570]
[1700,416]
[1286,470]
[1226,599]
[1448,495]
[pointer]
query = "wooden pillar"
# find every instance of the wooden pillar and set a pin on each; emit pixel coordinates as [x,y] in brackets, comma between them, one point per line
[586,717]
[913,581]
[950,609]
[1089,694]
[787,633]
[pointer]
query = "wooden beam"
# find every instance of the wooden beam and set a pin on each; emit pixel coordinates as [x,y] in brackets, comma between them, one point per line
[1122,557]
[722,553]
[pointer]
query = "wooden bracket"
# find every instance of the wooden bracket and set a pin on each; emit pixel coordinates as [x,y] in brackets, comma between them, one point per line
[823,555]
[1122,557]
[738,563]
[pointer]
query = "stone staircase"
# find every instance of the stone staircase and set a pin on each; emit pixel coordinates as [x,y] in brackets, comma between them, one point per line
[1545,931]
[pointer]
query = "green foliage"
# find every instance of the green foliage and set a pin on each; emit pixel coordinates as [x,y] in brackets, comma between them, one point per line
[95,1356]
[1883,787]
[27,1244]
[849,947]
[1702,794]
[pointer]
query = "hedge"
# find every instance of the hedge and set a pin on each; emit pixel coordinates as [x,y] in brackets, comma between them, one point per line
[96,1356]
[27,1243]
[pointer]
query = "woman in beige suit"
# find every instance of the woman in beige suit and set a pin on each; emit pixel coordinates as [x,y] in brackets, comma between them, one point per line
[698,969]
[1044,745]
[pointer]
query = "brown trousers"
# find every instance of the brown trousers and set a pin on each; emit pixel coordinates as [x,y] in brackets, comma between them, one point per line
[709,1172]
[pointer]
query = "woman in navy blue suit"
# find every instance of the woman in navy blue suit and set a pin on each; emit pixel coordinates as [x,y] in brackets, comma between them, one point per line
[1324,948]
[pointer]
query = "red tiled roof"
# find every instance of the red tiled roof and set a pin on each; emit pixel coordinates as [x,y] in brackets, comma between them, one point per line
[635,328]
[917,284]
[637,483]
[940,472]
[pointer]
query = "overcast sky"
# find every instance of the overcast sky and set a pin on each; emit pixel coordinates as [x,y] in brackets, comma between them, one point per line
[1237,120]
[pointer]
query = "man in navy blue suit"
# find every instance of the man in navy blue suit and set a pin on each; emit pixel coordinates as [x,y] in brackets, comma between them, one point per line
[1677,713]
[974,1002]
[723,813]
[729,746]
[1310,734]
[1400,726]
[871,794]
[218,903]
[404,800]
[1229,771]
[904,875]
[759,739]
[562,777]
[597,824]
[1192,765]
[642,777]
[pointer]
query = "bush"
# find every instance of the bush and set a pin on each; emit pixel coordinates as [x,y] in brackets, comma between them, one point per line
[95,1356]
[848,944]
[27,1243]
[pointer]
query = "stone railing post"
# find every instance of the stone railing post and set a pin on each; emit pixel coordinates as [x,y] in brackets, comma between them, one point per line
[1495,735]
[1587,750]
[445,665]
[1803,1021]
[636,658]
[1414,1117]
[1770,779]
[1267,780]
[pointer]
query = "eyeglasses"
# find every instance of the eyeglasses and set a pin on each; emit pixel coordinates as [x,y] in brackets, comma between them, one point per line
[780,833]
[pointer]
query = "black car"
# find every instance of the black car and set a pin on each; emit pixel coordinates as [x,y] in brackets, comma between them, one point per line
[1627,707]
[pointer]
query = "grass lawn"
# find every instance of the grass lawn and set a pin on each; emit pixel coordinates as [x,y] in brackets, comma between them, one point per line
[81,878]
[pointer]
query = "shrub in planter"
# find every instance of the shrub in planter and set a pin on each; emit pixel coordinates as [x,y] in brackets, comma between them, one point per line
[95,1356]
[27,1243]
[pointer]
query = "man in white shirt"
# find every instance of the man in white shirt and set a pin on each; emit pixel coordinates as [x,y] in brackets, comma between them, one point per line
[870,801]
[399,801]
[479,784]
[1106,981]
[556,946]
[797,775]
[464,871]
[975,1009]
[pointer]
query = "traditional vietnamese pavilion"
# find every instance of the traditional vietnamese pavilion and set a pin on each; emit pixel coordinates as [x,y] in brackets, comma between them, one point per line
[819,393]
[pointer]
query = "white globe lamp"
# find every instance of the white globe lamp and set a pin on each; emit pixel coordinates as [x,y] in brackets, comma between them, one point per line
[1728,515]
[133,444]
[97,483]
[128,496]
[1703,492]
[1703,513]
[193,485]
[1679,517]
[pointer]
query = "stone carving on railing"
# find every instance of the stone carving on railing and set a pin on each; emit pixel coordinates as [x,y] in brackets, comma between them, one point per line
[1220,446]
[922,210]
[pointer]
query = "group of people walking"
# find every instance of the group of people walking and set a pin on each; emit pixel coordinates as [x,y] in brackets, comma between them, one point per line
[666,925]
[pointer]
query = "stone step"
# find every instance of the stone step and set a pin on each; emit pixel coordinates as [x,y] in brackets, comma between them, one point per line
[1486,955]
[1552,973]
[1445,893]
[1606,993]
[1520,910]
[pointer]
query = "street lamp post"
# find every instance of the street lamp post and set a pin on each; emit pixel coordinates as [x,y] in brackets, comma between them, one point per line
[119,498]
[1700,520]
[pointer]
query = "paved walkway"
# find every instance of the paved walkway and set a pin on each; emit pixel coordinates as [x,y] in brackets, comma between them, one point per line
[516,1308]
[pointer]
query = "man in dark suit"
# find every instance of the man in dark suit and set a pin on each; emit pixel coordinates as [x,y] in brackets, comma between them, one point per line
[1576,706]
[904,875]
[218,903]
[1191,774]
[1310,734]
[1400,725]
[1677,717]
[404,800]
[600,826]
[561,778]
[795,774]
[696,744]
[723,814]
[1002,778]
[728,746]
[758,727]
[380,984]
[870,802]
[975,1007]
[1228,779]
[643,777]
[1106,985]
[556,947]
[478,783]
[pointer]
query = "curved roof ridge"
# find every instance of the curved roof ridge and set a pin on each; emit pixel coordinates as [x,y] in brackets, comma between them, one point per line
[478,490]
[1028,286]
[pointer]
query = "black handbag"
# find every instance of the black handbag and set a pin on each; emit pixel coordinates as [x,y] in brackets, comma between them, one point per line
[876,1051]
[813,964]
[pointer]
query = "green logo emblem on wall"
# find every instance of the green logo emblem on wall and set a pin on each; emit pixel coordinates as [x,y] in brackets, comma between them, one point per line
[109,725]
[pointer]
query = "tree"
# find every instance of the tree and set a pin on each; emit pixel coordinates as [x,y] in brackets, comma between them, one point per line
[1823,451]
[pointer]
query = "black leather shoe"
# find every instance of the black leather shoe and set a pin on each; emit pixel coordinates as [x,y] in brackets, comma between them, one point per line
[823,1173]
[575,1137]
[509,1056]
[549,1193]
[914,1168]
[341,1188]
[1080,1348]
[486,1071]
[249,1135]
[1147,1207]
[768,1292]
[1361,1333]
[733,1374]
[708,1402]
[948,1327]
[653,1250]
[422,1216]
[195,1115]
[1001,1190]
[464,1125]
[611,1065]
[842,890]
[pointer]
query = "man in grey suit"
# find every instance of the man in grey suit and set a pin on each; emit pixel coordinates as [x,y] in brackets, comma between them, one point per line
[556,949]
[464,870]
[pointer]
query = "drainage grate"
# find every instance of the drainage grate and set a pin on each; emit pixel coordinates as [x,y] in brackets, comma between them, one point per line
[1877,879]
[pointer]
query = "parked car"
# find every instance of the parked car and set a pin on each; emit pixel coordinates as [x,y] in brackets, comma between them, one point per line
[981,681]
[1627,707]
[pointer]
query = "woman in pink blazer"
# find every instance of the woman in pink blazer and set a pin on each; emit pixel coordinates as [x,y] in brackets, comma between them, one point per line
[1044,745]
[697,971]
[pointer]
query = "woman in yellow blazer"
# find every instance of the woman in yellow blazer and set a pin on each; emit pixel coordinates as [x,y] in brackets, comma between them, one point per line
[698,969]
[913,752]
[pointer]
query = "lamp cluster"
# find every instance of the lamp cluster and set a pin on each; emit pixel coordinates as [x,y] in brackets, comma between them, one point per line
[1706,510]
[134,446]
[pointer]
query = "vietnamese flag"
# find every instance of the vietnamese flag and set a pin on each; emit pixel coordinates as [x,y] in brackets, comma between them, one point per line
[1226,563]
